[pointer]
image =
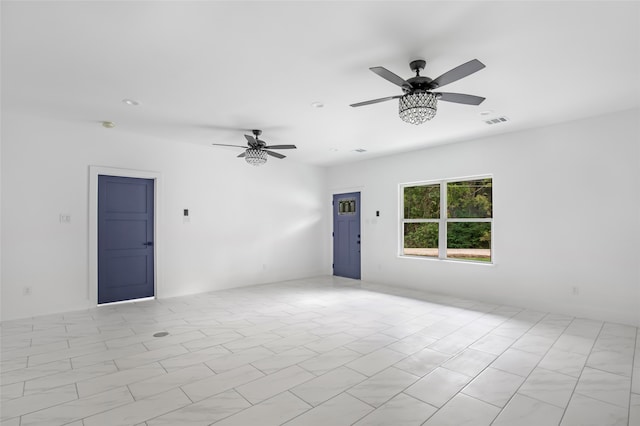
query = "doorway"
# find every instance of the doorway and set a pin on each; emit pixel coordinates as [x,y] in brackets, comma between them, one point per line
[346,235]
[126,269]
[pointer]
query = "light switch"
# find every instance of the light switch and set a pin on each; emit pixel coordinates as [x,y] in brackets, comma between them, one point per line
[65,218]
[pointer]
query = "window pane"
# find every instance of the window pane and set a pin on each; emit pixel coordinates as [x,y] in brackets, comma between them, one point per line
[469,241]
[422,202]
[421,239]
[470,199]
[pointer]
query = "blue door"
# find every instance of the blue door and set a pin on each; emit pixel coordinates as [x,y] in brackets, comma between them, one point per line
[346,235]
[125,239]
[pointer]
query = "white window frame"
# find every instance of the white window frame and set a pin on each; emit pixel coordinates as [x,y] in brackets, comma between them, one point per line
[443,220]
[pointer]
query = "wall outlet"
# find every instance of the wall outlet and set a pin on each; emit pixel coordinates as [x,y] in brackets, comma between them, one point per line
[26,291]
[65,218]
[575,290]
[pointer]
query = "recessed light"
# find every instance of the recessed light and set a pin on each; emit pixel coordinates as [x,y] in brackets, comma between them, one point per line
[108,124]
[317,104]
[486,112]
[333,149]
[130,102]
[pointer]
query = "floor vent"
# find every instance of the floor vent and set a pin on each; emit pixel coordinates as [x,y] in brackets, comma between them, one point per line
[496,120]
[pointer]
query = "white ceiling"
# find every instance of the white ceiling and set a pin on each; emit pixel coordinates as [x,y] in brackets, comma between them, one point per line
[208,71]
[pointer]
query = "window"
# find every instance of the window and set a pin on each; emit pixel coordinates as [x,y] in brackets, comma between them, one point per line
[448,219]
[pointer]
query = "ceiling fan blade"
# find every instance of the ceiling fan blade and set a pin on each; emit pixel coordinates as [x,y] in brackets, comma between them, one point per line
[224,144]
[389,76]
[281,147]
[242,155]
[460,98]
[375,101]
[252,141]
[274,154]
[457,73]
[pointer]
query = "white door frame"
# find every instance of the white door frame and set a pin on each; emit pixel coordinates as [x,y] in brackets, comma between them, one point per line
[94,172]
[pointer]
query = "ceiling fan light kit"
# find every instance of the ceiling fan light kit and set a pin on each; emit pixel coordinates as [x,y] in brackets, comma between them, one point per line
[257,150]
[417,108]
[255,157]
[419,104]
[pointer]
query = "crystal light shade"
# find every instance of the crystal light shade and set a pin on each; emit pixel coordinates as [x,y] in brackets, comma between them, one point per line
[417,108]
[255,157]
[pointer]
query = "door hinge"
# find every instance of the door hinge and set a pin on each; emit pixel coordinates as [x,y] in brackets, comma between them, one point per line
[333,265]
[333,234]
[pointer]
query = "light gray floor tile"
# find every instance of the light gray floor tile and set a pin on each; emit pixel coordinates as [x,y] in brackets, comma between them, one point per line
[469,362]
[549,386]
[534,344]
[231,361]
[370,343]
[492,344]
[192,358]
[634,410]
[612,361]
[322,388]
[604,386]
[569,363]
[585,411]
[140,411]
[494,386]
[205,388]
[272,412]
[383,386]
[165,382]
[331,342]
[30,403]
[121,378]
[374,362]
[273,384]
[343,349]
[463,410]
[77,409]
[205,412]
[517,362]
[343,410]
[412,344]
[577,344]
[322,363]
[403,410]
[284,359]
[149,357]
[30,373]
[14,390]
[525,411]
[67,377]
[437,387]
[422,362]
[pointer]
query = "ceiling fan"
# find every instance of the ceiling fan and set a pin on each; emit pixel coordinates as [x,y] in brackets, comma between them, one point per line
[418,104]
[256,150]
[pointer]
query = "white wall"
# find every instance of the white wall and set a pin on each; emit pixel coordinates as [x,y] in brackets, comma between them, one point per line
[248,224]
[566,213]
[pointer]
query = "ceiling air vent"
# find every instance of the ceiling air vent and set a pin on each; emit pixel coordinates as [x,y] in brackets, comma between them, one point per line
[496,120]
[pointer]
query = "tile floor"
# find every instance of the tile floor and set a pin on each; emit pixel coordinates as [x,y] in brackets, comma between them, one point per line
[322,351]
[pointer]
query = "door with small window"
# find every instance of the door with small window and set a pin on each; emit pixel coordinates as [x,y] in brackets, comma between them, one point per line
[346,235]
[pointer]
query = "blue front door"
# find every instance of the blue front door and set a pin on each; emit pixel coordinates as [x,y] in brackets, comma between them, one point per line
[346,235]
[125,239]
